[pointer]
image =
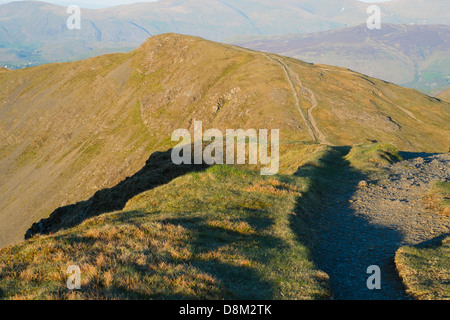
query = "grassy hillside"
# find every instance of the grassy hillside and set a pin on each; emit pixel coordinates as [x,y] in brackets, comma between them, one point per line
[369,157]
[223,233]
[69,130]
[445,95]
[425,270]
[438,198]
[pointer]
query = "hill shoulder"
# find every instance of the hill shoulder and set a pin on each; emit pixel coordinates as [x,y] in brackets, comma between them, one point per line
[445,95]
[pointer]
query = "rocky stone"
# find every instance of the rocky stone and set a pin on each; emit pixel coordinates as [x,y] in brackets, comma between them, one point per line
[363,184]
[385,217]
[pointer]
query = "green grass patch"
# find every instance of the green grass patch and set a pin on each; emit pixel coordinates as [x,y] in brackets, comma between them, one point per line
[368,156]
[438,198]
[224,233]
[426,271]
[28,155]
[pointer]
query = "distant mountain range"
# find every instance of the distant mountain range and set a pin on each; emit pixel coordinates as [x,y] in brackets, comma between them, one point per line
[416,56]
[33,32]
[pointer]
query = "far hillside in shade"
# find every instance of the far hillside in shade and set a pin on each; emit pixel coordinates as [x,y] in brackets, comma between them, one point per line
[415,56]
[35,32]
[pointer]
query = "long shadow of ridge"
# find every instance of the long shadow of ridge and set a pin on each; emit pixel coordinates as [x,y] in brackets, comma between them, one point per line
[158,170]
[342,243]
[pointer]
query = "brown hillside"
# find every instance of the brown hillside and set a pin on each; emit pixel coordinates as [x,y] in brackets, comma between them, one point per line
[445,95]
[68,130]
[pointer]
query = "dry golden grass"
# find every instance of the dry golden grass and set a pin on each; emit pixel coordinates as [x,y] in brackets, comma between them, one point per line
[445,95]
[365,156]
[92,123]
[438,198]
[225,233]
[426,271]
[275,187]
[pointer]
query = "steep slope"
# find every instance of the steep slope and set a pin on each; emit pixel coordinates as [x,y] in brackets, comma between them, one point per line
[231,237]
[35,32]
[68,130]
[410,55]
[445,95]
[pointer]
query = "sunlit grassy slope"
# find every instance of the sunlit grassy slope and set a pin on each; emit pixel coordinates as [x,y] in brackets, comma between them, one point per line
[69,130]
[224,233]
[438,198]
[368,157]
[445,95]
[426,270]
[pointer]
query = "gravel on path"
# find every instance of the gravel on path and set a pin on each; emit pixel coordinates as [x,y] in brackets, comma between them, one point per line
[365,219]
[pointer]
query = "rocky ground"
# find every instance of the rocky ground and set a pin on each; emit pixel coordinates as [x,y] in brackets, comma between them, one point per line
[365,219]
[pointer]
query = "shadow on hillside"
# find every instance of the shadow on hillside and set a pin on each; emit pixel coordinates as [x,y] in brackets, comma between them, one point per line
[239,282]
[433,243]
[206,263]
[342,243]
[414,155]
[158,170]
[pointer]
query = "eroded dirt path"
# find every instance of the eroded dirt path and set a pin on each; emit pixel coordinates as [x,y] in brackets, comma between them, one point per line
[313,131]
[360,226]
[309,94]
[293,80]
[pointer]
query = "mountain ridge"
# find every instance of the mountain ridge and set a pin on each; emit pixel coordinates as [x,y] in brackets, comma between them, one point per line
[445,95]
[413,56]
[70,129]
[36,32]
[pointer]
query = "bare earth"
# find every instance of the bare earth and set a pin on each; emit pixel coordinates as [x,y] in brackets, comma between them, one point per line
[361,226]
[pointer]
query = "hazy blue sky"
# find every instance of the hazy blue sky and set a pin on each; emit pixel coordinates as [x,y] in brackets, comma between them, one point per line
[110,3]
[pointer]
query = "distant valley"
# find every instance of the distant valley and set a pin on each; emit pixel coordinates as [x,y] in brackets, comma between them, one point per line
[412,56]
[33,32]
